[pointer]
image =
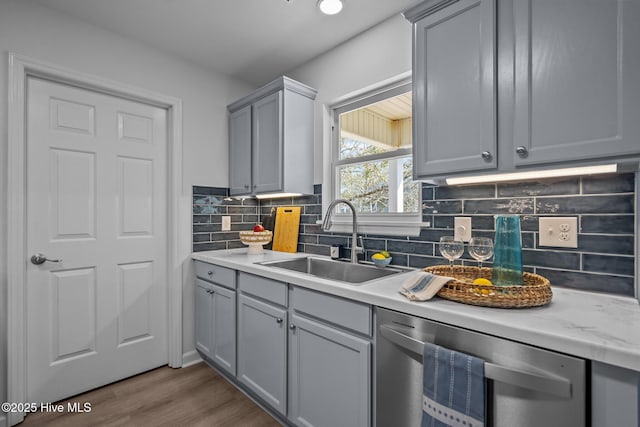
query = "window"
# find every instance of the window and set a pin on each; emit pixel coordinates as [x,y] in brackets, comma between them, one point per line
[371,163]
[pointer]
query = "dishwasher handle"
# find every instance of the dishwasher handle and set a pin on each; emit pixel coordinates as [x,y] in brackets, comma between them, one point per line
[554,385]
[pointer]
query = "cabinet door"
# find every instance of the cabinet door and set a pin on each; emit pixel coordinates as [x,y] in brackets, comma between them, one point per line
[262,355]
[267,143]
[454,87]
[615,396]
[329,383]
[240,151]
[577,81]
[203,310]
[224,328]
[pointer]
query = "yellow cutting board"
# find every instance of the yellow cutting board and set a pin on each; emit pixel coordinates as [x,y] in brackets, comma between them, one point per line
[285,236]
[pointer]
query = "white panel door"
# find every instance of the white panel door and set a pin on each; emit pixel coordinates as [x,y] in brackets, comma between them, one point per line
[96,183]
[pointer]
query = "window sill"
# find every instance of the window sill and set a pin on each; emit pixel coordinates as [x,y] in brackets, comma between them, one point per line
[384,228]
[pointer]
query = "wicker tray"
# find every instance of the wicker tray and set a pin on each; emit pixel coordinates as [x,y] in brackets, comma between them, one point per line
[535,292]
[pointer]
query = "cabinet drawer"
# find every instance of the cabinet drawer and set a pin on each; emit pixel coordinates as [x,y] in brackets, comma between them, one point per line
[342,312]
[216,274]
[267,289]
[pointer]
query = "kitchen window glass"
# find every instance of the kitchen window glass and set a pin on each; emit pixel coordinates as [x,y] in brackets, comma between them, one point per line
[372,165]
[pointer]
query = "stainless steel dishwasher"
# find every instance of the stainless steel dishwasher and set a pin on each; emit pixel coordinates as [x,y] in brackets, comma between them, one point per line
[526,386]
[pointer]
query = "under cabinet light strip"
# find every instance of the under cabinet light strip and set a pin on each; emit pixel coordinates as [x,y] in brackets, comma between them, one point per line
[277,195]
[520,176]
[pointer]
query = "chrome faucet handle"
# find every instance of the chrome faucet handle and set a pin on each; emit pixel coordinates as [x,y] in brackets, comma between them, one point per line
[359,249]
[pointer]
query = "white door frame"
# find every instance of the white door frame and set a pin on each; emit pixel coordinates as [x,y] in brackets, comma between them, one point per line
[20,68]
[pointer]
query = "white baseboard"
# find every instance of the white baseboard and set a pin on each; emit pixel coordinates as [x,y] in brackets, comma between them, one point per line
[189,358]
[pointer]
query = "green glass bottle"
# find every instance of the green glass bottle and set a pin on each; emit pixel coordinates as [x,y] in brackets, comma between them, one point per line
[507,258]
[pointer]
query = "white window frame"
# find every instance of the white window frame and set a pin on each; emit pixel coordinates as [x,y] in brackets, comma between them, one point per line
[408,224]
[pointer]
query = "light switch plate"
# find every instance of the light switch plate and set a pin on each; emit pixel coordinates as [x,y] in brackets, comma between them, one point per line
[226,223]
[558,232]
[462,228]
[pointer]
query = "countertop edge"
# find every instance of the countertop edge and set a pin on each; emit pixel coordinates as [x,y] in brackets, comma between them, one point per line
[604,335]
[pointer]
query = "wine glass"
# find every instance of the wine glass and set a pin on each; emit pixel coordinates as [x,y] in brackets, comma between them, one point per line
[481,249]
[451,249]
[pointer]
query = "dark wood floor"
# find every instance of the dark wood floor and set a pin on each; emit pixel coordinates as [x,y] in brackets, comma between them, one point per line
[193,396]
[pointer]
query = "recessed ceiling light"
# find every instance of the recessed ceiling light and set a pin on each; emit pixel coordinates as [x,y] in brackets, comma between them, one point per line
[330,7]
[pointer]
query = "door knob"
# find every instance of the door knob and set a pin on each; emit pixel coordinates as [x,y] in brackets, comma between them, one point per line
[39,258]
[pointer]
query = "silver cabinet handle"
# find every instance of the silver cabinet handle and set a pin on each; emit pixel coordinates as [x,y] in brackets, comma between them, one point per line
[522,151]
[292,326]
[39,258]
[279,320]
[486,155]
[554,385]
[210,273]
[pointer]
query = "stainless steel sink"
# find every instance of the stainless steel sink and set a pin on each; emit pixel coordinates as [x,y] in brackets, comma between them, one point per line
[355,274]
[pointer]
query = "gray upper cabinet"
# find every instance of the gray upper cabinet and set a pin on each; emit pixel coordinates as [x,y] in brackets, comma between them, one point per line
[577,80]
[268,150]
[271,140]
[240,151]
[531,84]
[454,118]
[329,380]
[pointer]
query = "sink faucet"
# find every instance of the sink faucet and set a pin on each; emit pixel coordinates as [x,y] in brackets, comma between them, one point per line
[355,249]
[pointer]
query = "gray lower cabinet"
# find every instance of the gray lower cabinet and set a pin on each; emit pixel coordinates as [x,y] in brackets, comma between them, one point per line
[203,322]
[329,376]
[615,396]
[305,354]
[262,350]
[215,311]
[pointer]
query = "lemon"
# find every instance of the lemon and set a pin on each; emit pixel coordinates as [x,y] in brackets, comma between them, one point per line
[385,254]
[378,256]
[482,282]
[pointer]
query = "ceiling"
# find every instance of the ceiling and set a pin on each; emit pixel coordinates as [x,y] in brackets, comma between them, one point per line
[396,108]
[253,40]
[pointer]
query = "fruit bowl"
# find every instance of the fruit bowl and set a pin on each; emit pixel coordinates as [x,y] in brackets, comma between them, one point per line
[255,240]
[382,262]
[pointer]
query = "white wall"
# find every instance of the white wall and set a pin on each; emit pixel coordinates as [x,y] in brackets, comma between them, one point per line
[32,30]
[381,53]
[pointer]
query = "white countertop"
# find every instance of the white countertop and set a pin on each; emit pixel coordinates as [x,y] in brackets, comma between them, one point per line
[593,326]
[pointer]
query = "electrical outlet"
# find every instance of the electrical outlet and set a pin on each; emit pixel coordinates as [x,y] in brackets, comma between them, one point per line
[226,223]
[558,231]
[462,228]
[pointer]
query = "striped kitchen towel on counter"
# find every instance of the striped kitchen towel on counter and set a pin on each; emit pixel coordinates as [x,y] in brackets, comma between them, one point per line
[453,388]
[422,286]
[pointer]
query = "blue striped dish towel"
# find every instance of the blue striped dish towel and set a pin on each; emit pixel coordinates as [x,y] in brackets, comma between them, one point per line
[453,389]
[422,286]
